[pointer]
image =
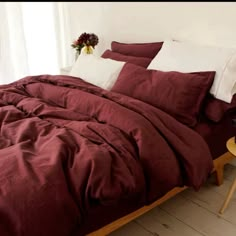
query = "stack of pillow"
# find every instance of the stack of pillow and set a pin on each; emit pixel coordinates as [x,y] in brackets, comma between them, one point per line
[176,77]
[103,71]
[140,54]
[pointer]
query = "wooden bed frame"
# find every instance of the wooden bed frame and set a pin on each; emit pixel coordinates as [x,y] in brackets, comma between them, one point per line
[219,164]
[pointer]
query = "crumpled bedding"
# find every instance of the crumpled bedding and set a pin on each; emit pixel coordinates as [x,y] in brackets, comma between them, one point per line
[66,144]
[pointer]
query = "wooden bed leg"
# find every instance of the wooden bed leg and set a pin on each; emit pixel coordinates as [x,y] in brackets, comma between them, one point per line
[219,175]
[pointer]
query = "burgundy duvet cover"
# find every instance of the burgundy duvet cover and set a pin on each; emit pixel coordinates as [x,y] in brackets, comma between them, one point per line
[66,146]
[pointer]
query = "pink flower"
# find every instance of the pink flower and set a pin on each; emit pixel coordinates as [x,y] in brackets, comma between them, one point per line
[75,42]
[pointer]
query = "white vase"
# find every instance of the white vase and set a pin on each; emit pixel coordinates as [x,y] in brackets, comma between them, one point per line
[77,55]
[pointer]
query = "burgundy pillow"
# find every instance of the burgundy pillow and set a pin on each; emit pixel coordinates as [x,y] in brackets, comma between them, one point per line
[149,50]
[179,94]
[141,61]
[215,109]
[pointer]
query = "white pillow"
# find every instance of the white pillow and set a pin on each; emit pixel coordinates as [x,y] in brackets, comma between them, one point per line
[96,70]
[189,57]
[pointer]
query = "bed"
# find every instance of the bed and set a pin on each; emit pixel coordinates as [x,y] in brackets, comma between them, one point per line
[79,159]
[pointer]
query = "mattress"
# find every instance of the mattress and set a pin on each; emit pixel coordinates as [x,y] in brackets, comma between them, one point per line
[216,134]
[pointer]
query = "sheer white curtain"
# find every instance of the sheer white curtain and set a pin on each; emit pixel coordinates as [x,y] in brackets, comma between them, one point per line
[32,39]
[13,54]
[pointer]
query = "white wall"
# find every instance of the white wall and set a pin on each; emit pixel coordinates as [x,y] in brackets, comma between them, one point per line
[205,22]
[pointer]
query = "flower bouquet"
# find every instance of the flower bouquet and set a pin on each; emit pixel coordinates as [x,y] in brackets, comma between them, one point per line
[89,41]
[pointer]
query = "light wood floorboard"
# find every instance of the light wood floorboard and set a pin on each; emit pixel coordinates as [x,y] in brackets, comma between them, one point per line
[190,213]
[161,222]
[132,229]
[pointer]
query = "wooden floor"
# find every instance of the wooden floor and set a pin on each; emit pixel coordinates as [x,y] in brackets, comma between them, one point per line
[189,213]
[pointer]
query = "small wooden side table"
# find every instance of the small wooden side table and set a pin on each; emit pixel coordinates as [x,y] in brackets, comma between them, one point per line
[231,146]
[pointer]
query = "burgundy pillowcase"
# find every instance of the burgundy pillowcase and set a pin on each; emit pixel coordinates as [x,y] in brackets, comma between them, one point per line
[215,109]
[179,94]
[140,61]
[149,50]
